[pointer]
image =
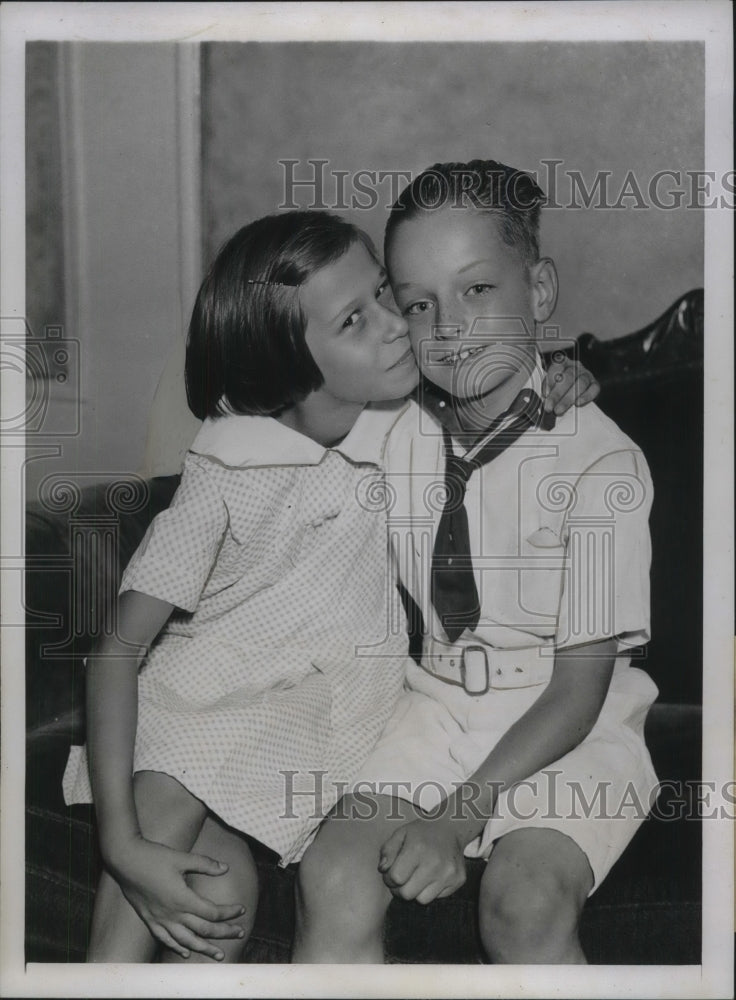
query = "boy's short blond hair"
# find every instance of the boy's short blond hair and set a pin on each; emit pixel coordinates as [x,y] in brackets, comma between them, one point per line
[486,185]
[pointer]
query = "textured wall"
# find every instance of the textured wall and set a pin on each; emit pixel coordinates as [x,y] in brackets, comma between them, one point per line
[595,106]
[44,235]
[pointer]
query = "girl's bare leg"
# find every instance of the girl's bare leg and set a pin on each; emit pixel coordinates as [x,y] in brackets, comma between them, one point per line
[167,814]
[341,896]
[240,882]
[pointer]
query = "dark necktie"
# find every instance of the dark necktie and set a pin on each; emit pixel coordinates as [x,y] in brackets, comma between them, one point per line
[454,594]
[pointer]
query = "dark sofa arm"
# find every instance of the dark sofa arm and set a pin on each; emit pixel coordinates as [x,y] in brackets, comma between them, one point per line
[652,387]
[77,544]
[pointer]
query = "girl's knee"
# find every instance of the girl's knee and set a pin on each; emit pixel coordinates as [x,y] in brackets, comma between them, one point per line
[240,882]
[117,933]
[167,812]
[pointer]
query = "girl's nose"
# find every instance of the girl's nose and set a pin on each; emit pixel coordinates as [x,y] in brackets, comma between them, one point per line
[396,325]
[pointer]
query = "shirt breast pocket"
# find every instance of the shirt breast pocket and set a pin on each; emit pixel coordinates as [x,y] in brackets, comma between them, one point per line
[541,577]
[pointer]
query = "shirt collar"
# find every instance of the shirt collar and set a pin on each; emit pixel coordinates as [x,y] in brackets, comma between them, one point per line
[534,382]
[536,379]
[242,441]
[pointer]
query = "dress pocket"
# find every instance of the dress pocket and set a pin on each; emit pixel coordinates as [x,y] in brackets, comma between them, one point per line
[293,729]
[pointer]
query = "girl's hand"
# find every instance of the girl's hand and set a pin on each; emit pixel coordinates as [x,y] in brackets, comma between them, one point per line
[567,383]
[423,860]
[151,877]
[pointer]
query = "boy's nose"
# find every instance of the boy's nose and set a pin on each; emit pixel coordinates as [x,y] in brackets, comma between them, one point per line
[448,324]
[447,331]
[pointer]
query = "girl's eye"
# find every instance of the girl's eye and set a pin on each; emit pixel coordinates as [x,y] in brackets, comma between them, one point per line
[417,308]
[480,288]
[351,320]
[382,289]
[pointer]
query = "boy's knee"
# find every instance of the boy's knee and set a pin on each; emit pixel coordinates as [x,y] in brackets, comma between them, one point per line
[338,918]
[526,902]
[324,877]
[532,902]
[331,892]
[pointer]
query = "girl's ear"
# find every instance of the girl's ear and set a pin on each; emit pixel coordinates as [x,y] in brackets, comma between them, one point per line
[543,277]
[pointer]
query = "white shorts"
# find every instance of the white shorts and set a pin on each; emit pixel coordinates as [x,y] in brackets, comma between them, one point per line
[598,794]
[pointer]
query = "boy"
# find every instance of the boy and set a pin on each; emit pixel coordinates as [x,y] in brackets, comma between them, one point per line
[520,735]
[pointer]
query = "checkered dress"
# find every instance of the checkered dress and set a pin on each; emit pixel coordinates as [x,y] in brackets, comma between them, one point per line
[272,681]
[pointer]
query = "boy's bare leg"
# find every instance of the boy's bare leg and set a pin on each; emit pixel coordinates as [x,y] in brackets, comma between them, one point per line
[532,894]
[240,882]
[341,896]
[167,814]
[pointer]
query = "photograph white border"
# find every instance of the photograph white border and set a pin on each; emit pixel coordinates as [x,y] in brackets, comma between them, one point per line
[710,23]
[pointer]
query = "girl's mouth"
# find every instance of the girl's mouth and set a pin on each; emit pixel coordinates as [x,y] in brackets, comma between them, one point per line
[403,359]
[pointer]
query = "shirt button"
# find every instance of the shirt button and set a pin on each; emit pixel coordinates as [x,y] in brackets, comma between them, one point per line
[449,561]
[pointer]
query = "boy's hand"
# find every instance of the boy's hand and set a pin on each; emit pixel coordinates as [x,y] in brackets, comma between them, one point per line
[567,382]
[423,860]
[152,878]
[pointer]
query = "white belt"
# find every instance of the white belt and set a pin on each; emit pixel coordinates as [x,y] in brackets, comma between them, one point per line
[478,668]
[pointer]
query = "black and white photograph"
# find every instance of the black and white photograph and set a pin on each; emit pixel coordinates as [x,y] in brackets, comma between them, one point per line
[367,499]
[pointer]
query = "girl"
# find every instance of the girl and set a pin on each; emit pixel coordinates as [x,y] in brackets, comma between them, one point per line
[256,606]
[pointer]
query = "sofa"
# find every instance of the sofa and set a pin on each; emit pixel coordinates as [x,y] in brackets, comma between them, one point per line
[648,911]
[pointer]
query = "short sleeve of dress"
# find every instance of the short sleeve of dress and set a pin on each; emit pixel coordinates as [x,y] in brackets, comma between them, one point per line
[605,589]
[175,558]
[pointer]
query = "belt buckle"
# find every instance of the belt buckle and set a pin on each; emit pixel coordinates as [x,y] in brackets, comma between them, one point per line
[474,670]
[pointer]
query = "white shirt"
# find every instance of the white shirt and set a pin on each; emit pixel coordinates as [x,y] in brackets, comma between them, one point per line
[558,527]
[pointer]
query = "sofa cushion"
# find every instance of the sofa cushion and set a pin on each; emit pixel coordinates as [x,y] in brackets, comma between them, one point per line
[647,910]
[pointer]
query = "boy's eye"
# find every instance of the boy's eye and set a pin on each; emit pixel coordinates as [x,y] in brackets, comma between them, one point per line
[480,288]
[417,308]
[382,289]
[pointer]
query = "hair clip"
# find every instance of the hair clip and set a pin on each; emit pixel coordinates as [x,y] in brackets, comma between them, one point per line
[266,281]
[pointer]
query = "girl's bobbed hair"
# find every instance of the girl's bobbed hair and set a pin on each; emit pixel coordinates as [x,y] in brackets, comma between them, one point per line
[246,348]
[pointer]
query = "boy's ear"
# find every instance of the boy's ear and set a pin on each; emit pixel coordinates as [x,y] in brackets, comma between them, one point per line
[543,278]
